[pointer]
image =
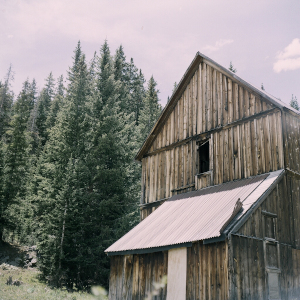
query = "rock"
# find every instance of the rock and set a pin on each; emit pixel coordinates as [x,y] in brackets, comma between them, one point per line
[33,262]
[13,282]
[17,282]
[9,280]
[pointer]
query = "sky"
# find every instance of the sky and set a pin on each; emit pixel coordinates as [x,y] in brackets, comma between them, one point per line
[261,38]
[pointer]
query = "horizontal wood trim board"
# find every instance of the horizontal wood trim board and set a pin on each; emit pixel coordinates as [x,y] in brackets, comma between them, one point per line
[217,239]
[209,132]
[150,250]
[269,214]
[292,173]
[183,187]
[262,239]
[153,204]
[291,112]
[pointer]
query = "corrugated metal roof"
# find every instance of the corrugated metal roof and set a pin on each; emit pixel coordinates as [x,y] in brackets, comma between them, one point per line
[195,215]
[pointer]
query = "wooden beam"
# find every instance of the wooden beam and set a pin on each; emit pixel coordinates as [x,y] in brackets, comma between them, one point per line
[209,132]
[183,187]
[152,204]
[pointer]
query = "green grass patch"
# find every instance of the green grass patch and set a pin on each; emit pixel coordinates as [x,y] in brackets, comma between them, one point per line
[32,288]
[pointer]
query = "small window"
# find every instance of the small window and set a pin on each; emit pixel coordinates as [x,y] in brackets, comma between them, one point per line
[204,157]
[269,225]
[272,258]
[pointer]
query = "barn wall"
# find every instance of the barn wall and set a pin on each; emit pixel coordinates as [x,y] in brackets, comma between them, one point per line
[207,272]
[292,141]
[132,276]
[259,249]
[238,151]
[284,201]
[249,275]
[210,99]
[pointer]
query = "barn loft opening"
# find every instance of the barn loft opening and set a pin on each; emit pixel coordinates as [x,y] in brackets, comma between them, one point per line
[204,157]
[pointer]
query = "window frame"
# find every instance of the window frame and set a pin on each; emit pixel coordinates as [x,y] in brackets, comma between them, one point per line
[199,145]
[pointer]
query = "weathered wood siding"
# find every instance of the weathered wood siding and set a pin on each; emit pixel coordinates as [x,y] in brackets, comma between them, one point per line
[210,100]
[252,260]
[284,201]
[292,141]
[132,276]
[207,271]
[249,275]
[237,151]
[245,133]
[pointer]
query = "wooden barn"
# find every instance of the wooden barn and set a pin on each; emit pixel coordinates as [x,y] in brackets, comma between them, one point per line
[220,205]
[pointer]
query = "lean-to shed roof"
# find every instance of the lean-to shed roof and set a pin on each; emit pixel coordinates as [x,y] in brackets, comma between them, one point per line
[194,216]
[181,86]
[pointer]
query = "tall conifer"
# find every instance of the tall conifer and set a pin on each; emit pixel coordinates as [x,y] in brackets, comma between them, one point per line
[6,100]
[66,179]
[151,109]
[43,108]
[16,157]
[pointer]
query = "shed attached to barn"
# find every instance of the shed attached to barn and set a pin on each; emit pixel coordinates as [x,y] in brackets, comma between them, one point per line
[220,205]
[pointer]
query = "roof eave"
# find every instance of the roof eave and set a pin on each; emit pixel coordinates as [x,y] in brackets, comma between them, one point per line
[150,250]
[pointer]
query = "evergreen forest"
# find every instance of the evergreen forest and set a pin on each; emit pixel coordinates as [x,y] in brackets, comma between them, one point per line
[68,180]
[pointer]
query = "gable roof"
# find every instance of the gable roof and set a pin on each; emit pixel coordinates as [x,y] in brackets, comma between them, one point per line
[195,216]
[181,86]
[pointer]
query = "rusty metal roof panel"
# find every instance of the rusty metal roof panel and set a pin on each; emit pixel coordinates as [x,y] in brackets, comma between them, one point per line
[194,216]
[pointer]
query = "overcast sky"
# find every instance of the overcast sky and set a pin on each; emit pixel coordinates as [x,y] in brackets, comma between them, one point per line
[261,38]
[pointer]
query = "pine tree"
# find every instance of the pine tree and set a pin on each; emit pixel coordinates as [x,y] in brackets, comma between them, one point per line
[43,108]
[174,87]
[62,192]
[294,103]
[6,100]
[151,110]
[231,68]
[56,104]
[3,204]
[16,158]
[114,185]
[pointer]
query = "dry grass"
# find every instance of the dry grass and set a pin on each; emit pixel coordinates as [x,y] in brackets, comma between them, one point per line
[31,288]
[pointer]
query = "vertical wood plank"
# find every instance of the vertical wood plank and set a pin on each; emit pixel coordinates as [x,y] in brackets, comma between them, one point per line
[230,102]
[190,117]
[195,106]
[236,101]
[200,100]
[167,162]
[204,98]
[225,100]
[230,154]
[246,103]
[219,99]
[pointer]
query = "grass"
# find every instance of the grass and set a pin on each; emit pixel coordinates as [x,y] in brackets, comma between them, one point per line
[31,288]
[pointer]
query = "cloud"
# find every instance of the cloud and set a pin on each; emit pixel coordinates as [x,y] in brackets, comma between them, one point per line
[289,58]
[218,45]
